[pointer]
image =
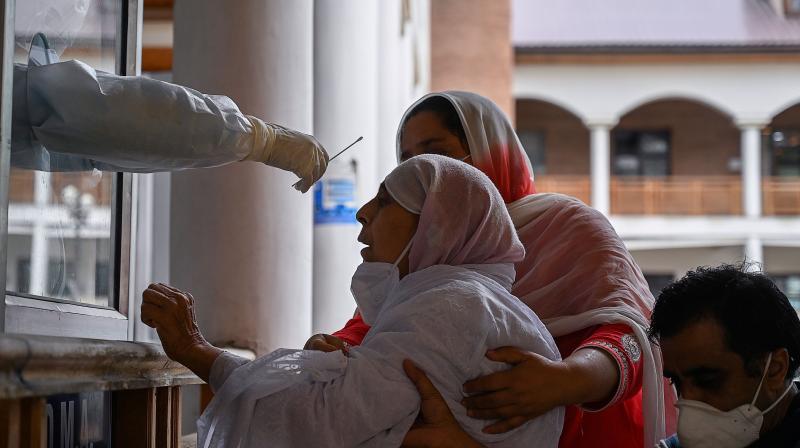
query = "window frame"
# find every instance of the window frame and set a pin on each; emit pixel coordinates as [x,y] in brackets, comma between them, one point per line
[789,10]
[771,148]
[615,135]
[26,314]
[781,280]
[539,166]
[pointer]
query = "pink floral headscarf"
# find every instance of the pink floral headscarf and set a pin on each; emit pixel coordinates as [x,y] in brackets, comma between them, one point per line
[493,144]
[577,272]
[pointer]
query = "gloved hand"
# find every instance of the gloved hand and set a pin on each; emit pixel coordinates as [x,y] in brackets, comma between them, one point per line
[288,150]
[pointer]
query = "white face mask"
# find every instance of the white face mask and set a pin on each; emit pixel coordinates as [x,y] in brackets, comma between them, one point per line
[372,282]
[701,425]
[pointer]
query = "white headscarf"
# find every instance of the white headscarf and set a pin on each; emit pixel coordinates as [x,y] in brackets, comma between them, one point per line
[577,272]
[437,188]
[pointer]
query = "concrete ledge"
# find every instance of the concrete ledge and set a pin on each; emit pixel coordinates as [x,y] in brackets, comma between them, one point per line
[44,365]
[189,441]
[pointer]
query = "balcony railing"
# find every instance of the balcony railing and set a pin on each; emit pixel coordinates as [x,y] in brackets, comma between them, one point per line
[673,195]
[676,195]
[576,186]
[781,195]
[21,186]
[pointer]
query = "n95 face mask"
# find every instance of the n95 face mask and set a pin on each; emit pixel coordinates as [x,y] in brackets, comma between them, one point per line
[701,425]
[373,282]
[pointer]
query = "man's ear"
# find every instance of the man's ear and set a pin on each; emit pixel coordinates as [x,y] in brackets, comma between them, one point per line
[775,381]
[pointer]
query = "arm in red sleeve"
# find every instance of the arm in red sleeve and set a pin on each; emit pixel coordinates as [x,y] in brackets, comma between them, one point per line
[621,344]
[354,330]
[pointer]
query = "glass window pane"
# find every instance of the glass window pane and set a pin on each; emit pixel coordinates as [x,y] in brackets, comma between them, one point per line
[638,153]
[658,282]
[534,145]
[59,242]
[76,29]
[790,285]
[785,148]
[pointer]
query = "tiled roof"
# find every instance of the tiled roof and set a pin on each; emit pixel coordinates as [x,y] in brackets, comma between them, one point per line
[669,25]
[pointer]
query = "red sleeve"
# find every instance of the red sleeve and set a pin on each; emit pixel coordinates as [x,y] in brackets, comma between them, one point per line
[354,330]
[619,341]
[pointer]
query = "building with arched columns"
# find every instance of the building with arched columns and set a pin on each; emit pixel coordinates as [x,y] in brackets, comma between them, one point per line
[678,119]
[685,132]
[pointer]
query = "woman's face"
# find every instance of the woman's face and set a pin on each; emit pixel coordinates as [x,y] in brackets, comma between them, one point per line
[424,133]
[386,230]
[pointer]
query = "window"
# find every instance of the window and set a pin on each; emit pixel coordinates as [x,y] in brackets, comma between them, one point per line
[658,282]
[792,7]
[641,153]
[534,145]
[785,152]
[790,285]
[69,231]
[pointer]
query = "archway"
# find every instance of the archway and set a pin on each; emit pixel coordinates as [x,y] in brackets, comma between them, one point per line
[675,156]
[557,142]
[781,156]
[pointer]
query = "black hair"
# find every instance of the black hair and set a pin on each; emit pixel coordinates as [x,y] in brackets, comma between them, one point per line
[447,113]
[754,314]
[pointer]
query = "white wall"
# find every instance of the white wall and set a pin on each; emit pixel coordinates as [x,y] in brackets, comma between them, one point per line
[747,92]
[678,261]
[782,260]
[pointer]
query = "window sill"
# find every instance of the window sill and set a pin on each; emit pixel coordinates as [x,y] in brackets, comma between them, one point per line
[44,365]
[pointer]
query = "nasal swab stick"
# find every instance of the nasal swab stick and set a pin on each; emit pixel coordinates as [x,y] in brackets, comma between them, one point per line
[346,148]
[340,152]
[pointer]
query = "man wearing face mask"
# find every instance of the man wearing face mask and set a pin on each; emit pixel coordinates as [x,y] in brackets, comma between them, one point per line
[731,346]
[730,341]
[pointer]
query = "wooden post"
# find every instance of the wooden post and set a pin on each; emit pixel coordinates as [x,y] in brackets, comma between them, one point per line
[175,416]
[133,417]
[168,411]
[653,194]
[206,395]
[9,423]
[33,423]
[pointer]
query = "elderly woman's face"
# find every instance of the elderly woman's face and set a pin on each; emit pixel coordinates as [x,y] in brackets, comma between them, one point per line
[386,230]
[424,133]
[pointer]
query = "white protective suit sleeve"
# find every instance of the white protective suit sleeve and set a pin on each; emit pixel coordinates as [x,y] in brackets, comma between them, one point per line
[70,117]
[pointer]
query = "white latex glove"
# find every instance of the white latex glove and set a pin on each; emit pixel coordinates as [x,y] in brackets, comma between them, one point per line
[288,150]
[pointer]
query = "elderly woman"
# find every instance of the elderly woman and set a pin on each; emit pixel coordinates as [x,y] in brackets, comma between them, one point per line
[434,286]
[577,276]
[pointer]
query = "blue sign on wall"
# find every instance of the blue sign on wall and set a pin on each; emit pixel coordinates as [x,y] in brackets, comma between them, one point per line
[334,201]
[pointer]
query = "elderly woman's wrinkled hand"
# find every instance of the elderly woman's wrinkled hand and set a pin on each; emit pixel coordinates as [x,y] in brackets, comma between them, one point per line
[533,386]
[325,343]
[171,312]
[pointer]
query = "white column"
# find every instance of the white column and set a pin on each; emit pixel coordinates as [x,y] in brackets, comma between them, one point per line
[40,253]
[345,107]
[751,169]
[241,237]
[754,253]
[601,166]
[393,92]
[403,69]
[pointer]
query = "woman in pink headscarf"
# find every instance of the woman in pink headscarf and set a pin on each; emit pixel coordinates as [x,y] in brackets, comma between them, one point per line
[577,276]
